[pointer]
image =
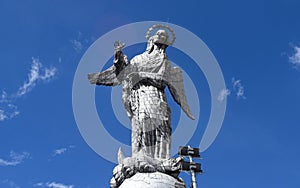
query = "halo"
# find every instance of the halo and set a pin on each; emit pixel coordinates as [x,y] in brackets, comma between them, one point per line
[162,26]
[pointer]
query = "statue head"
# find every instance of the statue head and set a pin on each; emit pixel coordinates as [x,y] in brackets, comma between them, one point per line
[161,37]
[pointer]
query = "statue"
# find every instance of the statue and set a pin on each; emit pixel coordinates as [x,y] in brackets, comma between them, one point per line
[144,79]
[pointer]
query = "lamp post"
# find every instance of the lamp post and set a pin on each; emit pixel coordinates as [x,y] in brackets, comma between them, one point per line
[191,165]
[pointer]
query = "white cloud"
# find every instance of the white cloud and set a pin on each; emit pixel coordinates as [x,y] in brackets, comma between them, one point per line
[4,97]
[7,109]
[61,151]
[80,43]
[53,185]
[295,58]
[10,183]
[77,45]
[15,159]
[238,88]
[3,116]
[58,185]
[37,73]
[40,184]
[223,94]
[10,112]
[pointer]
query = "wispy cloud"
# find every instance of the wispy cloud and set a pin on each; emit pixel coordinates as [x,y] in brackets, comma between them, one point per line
[295,58]
[223,95]
[14,159]
[3,115]
[53,185]
[10,112]
[61,151]
[77,45]
[37,73]
[238,88]
[80,43]
[7,109]
[10,183]
[4,97]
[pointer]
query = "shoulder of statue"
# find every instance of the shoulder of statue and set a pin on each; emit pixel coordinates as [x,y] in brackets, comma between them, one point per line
[138,58]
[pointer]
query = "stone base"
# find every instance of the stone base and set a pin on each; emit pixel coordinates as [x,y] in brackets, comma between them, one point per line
[152,180]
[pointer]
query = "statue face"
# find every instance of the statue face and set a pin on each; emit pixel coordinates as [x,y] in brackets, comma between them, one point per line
[161,37]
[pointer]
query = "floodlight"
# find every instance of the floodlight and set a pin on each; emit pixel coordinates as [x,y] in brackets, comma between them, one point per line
[189,151]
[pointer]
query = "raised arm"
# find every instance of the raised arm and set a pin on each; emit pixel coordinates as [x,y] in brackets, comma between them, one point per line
[115,74]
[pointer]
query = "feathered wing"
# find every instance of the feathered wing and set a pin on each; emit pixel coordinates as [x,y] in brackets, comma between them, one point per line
[175,85]
[107,77]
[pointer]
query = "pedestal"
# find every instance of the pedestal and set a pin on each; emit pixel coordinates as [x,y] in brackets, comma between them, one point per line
[152,180]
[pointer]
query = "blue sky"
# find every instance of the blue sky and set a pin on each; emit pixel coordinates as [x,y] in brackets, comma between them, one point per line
[256,43]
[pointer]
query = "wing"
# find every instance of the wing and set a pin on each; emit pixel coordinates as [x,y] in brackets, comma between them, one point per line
[107,77]
[175,85]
